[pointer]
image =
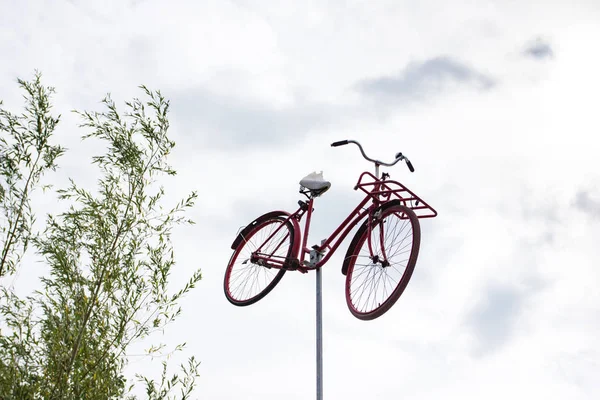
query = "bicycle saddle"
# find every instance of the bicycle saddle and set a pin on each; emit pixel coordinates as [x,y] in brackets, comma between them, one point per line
[315,183]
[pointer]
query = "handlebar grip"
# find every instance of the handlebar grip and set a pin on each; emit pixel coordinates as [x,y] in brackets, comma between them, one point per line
[410,166]
[340,143]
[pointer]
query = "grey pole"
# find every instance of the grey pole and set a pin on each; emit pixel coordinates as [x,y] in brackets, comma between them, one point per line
[319,338]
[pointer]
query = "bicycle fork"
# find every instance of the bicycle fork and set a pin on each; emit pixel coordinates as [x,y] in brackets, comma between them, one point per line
[375,220]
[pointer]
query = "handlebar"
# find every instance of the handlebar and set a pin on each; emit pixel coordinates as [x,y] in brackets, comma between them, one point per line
[399,156]
[340,143]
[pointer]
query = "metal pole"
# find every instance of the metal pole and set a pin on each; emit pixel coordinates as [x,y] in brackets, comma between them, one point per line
[319,338]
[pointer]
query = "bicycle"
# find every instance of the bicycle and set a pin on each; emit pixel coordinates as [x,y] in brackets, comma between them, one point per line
[376,265]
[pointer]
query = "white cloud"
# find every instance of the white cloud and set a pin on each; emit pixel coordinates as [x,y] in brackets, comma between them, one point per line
[505,168]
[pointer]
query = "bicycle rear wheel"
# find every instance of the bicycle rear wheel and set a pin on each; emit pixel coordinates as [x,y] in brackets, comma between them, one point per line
[380,269]
[247,280]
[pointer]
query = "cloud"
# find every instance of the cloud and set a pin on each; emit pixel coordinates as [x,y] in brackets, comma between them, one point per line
[493,318]
[584,202]
[427,78]
[231,122]
[539,50]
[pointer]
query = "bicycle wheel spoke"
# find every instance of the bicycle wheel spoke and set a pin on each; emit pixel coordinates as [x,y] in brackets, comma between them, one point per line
[364,268]
[364,285]
[368,271]
[398,235]
[375,289]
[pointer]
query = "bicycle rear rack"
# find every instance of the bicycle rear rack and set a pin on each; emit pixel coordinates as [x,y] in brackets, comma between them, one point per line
[390,190]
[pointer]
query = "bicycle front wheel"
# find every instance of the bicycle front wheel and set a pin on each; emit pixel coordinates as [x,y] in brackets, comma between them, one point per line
[382,262]
[247,279]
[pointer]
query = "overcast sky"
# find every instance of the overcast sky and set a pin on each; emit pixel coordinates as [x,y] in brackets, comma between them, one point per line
[496,105]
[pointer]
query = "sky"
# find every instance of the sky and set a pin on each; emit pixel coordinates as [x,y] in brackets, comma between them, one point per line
[495,104]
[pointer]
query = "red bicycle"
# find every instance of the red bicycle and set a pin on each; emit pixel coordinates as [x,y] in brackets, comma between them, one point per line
[379,261]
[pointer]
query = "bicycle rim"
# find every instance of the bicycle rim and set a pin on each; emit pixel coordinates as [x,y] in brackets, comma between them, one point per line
[246,282]
[378,273]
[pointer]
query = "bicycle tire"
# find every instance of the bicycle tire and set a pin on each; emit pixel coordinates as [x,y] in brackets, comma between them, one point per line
[357,245]
[260,225]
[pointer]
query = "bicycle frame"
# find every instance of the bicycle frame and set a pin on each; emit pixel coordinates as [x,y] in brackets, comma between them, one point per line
[379,192]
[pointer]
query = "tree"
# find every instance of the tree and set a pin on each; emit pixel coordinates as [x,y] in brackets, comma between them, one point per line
[109,253]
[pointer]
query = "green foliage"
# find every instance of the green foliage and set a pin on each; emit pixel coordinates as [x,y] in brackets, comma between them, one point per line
[109,255]
[25,155]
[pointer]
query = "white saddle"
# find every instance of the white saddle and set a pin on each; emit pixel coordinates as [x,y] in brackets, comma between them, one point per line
[315,183]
